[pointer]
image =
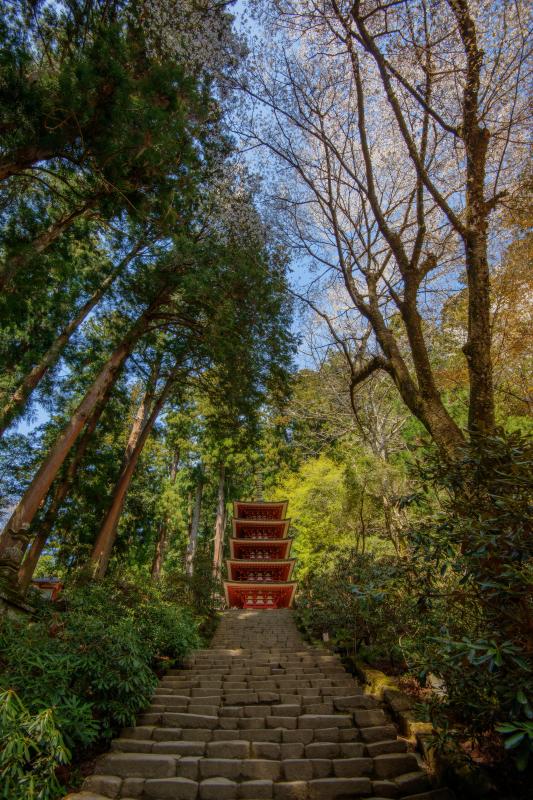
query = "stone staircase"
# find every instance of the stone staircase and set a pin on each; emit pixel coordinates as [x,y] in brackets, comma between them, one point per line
[260,715]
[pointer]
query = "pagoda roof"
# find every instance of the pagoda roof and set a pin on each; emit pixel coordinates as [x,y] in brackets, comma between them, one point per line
[259,548]
[285,590]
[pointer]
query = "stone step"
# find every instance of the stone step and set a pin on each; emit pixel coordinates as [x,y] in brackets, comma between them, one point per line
[305,736]
[272,682]
[341,689]
[261,710]
[240,784]
[388,746]
[181,719]
[390,765]
[378,733]
[332,788]
[198,709]
[259,667]
[432,794]
[298,652]
[260,717]
[259,662]
[213,676]
[262,658]
[136,765]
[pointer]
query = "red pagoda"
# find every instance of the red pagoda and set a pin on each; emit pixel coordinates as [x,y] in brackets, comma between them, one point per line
[259,567]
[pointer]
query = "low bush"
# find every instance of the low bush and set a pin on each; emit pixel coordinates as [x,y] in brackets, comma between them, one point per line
[90,664]
[359,600]
[166,628]
[475,558]
[456,605]
[31,749]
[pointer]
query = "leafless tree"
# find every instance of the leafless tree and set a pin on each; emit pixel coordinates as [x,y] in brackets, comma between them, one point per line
[396,129]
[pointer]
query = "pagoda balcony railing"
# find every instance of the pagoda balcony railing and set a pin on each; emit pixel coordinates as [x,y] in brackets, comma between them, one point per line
[258,533]
[260,515]
[259,599]
[256,577]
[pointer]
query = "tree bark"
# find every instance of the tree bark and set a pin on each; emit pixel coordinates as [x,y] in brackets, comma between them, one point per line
[61,491]
[477,349]
[23,158]
[105,540]
[160,550]
[18,399]
[194,528]
[143,411]
[219,524]
[15,531]
[162,539]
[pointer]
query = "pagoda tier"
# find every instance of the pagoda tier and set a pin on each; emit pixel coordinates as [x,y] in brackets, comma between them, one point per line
[252,549]
[260,510]
[278,570]
[267,529]
[259,595]
[259,569]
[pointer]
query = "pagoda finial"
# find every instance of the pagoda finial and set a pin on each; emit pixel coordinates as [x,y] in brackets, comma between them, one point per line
[259,486]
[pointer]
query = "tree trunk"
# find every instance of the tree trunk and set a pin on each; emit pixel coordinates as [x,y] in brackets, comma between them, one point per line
[362,520]
[141,416]
[219,524]
[18,399]
[105,540]
[60,493]
[476,139]
[194,528]
[162,539]
[426,404]
[14,534]
[160,550]
[23,158]
[478,346]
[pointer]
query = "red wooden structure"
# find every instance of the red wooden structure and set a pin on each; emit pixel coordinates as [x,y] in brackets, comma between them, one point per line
[259,567]
[50,588]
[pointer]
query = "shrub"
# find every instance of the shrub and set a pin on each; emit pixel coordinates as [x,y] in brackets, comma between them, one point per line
[164,628]
[476,558]
[457,604]
[360,600]
[31,748]
[85,669]
[41,669]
